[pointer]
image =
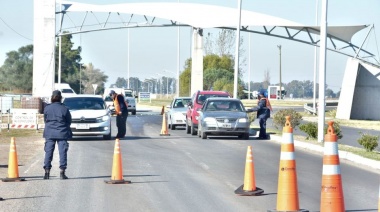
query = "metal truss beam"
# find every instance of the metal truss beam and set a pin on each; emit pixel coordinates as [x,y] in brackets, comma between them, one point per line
[303,35]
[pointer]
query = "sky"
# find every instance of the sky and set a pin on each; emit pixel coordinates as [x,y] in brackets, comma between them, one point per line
[154,50]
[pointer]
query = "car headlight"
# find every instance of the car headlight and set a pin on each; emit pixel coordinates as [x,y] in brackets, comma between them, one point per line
[243,120]
[209,120]
[103,118]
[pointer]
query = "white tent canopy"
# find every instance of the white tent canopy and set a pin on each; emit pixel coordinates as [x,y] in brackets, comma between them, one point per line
[207,16]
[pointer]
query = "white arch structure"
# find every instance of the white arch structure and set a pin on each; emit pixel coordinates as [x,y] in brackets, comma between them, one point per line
[198,16]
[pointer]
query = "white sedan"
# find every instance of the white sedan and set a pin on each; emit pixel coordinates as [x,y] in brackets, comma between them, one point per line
[176,115]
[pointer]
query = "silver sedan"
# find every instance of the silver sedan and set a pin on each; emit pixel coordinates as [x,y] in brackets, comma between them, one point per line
[223,116]
[176,115]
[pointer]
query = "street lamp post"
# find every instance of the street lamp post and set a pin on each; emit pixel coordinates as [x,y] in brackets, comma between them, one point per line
[80,78]
[279,47]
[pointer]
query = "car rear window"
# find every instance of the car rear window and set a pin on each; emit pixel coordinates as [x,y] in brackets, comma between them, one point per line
[84,103]
[233,106]
[202,97]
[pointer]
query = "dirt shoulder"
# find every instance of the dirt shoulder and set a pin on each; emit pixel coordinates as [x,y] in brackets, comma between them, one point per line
[28,144]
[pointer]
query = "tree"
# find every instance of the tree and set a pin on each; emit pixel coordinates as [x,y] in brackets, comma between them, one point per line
[17,71]
[70,62]
[266,81]
[121,83]
[91,76]
[185,80]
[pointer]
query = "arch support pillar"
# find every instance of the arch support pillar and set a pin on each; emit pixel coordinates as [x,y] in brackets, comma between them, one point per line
[43,48]
[197,61]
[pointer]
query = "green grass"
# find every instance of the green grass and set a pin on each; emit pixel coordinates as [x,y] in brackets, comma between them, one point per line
[5,136]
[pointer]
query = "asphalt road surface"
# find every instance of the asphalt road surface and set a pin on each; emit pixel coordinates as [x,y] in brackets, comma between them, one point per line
[179,172]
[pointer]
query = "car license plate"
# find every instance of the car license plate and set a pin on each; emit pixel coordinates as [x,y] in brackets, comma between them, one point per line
[83,126]
[226,125]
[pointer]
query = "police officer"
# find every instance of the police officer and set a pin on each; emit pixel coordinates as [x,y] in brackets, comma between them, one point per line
[57,130]
[121,110]
[263,113]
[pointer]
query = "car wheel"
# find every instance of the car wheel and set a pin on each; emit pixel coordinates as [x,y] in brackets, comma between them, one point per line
[203,135]
[172,127]
[107,137]
[188,129]
[193,132]
[245,136]
[133,112]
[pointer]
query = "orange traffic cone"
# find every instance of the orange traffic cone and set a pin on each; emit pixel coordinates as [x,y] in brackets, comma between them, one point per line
[331,191]
[117,167]
[13,164]
[164,129]
[163,110]
[249,187]
[287,191]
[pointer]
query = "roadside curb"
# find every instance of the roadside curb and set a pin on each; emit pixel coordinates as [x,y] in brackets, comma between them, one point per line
[342,154]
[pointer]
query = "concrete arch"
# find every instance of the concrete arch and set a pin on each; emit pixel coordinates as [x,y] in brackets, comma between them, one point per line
[198,16]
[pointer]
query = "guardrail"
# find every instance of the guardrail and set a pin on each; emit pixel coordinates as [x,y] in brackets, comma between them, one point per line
[308,107]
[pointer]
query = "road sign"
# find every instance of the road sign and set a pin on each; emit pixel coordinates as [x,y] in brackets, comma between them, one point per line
[144,96]
[94,86]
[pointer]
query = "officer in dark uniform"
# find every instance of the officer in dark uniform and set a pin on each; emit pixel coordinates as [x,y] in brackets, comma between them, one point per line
[57,130]
[121,110]
[263,113]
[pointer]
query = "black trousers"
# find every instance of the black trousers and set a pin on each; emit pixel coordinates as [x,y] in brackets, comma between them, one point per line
[263,127]
[121,123]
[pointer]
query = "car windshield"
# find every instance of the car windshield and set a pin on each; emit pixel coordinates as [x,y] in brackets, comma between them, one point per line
[181,102]
[84,103]
[202,97]
[233,106]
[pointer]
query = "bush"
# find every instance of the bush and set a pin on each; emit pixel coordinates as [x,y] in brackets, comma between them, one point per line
[311,129]
[369,142]
[279,118]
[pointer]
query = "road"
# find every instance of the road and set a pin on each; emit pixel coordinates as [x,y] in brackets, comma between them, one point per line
[179,172]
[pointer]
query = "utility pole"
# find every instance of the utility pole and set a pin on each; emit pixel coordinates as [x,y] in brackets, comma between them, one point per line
[279,47]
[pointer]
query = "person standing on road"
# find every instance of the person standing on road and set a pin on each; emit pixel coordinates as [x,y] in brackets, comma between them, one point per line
[57,119]
[121,110]
[263,113]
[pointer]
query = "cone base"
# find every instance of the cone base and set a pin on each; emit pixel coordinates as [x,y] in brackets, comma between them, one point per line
[16,179]
[242,192]
[117,181]
[1,199]
[164,134]
[300,210]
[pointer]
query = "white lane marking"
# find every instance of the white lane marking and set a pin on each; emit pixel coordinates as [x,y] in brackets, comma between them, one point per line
[35,162]
[204,166]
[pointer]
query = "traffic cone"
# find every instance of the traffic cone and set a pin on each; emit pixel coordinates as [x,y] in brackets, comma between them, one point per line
[287,191]
[163,110]
[331,191]
[249,187]
[164,129]
[13,164]
[117,167]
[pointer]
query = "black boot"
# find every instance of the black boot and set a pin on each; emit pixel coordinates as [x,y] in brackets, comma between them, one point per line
[47,174]
[63,176]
